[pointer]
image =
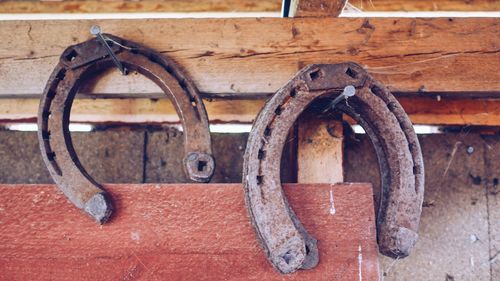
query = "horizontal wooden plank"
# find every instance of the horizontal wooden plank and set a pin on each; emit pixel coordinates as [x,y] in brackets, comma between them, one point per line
[133,110]
[450,111]
[422,110]
[178,232]
[127,6]
[419,5]
[253,55]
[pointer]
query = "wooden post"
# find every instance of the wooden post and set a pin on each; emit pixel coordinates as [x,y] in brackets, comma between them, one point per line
[316,8]
[319,156]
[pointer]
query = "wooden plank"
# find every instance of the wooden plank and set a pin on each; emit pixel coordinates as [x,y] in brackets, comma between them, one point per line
[178,232]
[450,111]
[419,5]
[133,110]
[242,57]
[316,8]
[127,6]
[93,6]
[422,110]
[319,149]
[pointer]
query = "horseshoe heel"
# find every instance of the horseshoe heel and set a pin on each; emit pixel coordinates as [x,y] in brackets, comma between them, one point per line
[285,241]
[77,64]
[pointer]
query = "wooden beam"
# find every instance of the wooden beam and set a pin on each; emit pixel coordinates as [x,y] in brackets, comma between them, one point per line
[178,232]
[419,5]
[430,111]
[316,8]
[320,146]
[446,111]
[169,6]
[133,110]
[127,6]
[243,57]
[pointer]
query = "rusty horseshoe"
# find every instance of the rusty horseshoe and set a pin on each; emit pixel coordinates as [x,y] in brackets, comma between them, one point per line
[80,62]
[285,241]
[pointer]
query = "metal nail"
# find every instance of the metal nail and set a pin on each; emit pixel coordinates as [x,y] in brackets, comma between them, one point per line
[96,31]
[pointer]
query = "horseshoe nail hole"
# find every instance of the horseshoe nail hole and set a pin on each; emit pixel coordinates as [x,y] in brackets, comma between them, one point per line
[154,59]
[293,92]
[46,135]
[278,110]
[376,90]
[46,114]
[51,94]
[315,74]
[391,106]
[134,51]
[168,69]
[495,182]
[351,73]
[262,154]
[416,170]
[61,74]
[202,166]
[260,179]
[307,250]
[287,257]
[71,56]
[182,83]
[267,131]
[51,156]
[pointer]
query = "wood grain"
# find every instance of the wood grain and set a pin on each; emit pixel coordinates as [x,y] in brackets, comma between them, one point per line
[316,8]
[430,111]
[426,5]
[127,6]
[177,232]
[319,150]
[243,57]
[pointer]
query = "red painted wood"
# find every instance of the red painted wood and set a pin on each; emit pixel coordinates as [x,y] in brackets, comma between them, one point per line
[178,232]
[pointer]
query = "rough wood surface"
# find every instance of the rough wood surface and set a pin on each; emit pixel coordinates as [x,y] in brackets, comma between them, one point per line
[422,110]
[319,150]
[126,6]
[426,5]
[96,6]
[248,56]
[177,232]
[316,8]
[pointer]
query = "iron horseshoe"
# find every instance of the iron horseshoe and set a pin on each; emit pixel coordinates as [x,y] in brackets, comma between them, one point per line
[77,64]
[286,243]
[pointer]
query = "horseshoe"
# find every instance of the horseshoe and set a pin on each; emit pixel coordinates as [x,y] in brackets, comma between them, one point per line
[285,241]
[77,64]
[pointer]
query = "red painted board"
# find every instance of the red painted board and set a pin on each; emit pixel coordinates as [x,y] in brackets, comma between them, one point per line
[178,232]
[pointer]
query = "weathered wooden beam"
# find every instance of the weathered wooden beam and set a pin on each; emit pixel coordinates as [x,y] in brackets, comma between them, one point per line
[431,111]
[426,5]
[178,232]
[316,8]
[246,56]
[127,6]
